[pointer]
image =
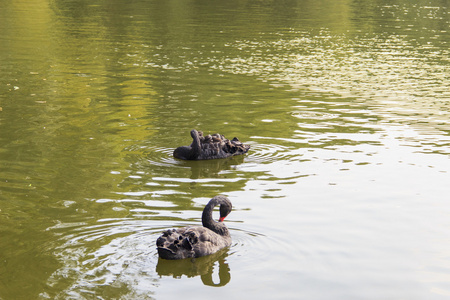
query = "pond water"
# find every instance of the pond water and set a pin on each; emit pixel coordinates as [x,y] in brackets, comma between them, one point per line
[343,195]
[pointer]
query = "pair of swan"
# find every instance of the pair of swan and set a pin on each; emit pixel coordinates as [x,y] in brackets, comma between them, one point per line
[191,242]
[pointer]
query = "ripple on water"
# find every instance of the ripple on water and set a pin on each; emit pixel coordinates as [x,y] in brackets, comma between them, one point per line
[117,255]
[250,244]
[267,153]
[120,255]
[161,156]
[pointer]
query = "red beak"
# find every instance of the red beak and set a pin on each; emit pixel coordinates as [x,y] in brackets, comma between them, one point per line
[221,219]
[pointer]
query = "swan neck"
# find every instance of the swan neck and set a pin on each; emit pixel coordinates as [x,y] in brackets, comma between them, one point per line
[208,221]
[196,146]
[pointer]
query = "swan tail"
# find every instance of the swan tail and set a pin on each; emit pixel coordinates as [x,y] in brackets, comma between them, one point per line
[175,244]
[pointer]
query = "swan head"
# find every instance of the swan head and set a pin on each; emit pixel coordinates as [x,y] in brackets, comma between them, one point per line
[225,207]
[195,133]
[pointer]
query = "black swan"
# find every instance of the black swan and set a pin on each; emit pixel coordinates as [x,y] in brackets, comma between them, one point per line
[210,147]
[189,242]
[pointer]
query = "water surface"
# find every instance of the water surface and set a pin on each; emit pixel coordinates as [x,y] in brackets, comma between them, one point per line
[342,195]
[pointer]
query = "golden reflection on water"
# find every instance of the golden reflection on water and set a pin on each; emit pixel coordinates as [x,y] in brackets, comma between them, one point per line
[345,105]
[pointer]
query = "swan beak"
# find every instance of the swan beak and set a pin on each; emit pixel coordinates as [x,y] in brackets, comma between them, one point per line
[221,219]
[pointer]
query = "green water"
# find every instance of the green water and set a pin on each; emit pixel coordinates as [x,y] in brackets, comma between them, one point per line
[343,195]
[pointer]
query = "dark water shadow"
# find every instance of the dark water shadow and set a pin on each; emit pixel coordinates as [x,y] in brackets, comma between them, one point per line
[202,266]
[211,168]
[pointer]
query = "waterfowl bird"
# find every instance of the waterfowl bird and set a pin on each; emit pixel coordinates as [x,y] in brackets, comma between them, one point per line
[189,242]
[210,147]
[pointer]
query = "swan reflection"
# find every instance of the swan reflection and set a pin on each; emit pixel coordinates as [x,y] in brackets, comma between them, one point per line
[211,168]
[202,266]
